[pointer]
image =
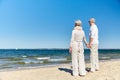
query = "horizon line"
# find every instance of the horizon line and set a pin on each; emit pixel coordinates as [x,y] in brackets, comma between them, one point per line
[52,48]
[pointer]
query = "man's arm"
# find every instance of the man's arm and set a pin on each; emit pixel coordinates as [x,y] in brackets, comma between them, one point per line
[92,34]
[91,40]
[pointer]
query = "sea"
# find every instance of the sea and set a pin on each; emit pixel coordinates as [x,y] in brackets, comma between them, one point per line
[33,58]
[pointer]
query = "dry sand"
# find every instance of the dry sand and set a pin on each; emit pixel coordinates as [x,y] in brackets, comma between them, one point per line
[109,70]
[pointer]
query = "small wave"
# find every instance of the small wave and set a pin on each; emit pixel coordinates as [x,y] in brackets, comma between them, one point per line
[29,62]
[24,56]
[104,58]
[33,62]
[43,58]
[63,59]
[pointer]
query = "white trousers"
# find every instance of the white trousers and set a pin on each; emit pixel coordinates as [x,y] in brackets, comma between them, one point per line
[94,57]
[78,63]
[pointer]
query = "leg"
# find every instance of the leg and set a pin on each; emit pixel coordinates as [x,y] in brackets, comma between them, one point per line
[75,64]
[82,70]
[92,58]
[96,58]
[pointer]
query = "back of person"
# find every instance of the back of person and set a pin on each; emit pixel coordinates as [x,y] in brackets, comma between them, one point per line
[77,39]
[77,50]
[78,35]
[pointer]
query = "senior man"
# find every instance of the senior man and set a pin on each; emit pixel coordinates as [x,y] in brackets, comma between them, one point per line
[93,45]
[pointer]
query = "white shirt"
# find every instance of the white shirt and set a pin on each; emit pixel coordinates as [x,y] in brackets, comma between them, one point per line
[94,34]
[78,35]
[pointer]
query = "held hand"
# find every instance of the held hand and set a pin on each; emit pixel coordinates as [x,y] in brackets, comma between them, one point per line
[70,50]
[88,46]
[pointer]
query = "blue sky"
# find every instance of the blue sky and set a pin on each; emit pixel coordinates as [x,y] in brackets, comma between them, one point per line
[48,23]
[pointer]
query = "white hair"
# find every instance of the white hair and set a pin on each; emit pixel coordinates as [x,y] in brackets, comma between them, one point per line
[78,22]
[92,20]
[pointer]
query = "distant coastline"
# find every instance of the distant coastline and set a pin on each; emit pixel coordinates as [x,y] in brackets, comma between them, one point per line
[53,49]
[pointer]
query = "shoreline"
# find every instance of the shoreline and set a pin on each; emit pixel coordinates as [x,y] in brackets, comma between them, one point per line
[109,70]
[49,66]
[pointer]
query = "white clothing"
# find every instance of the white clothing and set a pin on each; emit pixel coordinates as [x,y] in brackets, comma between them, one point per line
[78,35]
[78,63]
[94,34]
[94,57]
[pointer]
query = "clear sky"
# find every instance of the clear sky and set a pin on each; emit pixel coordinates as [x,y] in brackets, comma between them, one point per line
[48,23]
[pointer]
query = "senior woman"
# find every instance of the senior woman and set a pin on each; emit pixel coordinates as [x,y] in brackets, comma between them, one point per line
[77,50]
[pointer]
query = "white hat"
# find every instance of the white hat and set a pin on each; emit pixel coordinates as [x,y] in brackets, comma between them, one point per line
[92,20]
[78,22]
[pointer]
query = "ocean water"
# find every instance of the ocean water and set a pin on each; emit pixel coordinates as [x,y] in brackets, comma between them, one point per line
[24,58]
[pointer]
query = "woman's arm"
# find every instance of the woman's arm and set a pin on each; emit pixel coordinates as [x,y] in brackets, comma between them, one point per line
[71,42]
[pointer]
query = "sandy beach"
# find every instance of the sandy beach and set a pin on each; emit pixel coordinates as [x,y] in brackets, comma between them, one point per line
[109,70]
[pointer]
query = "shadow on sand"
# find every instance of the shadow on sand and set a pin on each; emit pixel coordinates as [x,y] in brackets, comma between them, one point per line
[65,70]
[70,71]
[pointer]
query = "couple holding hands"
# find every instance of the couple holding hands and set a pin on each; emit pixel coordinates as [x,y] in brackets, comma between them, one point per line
[77,50]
